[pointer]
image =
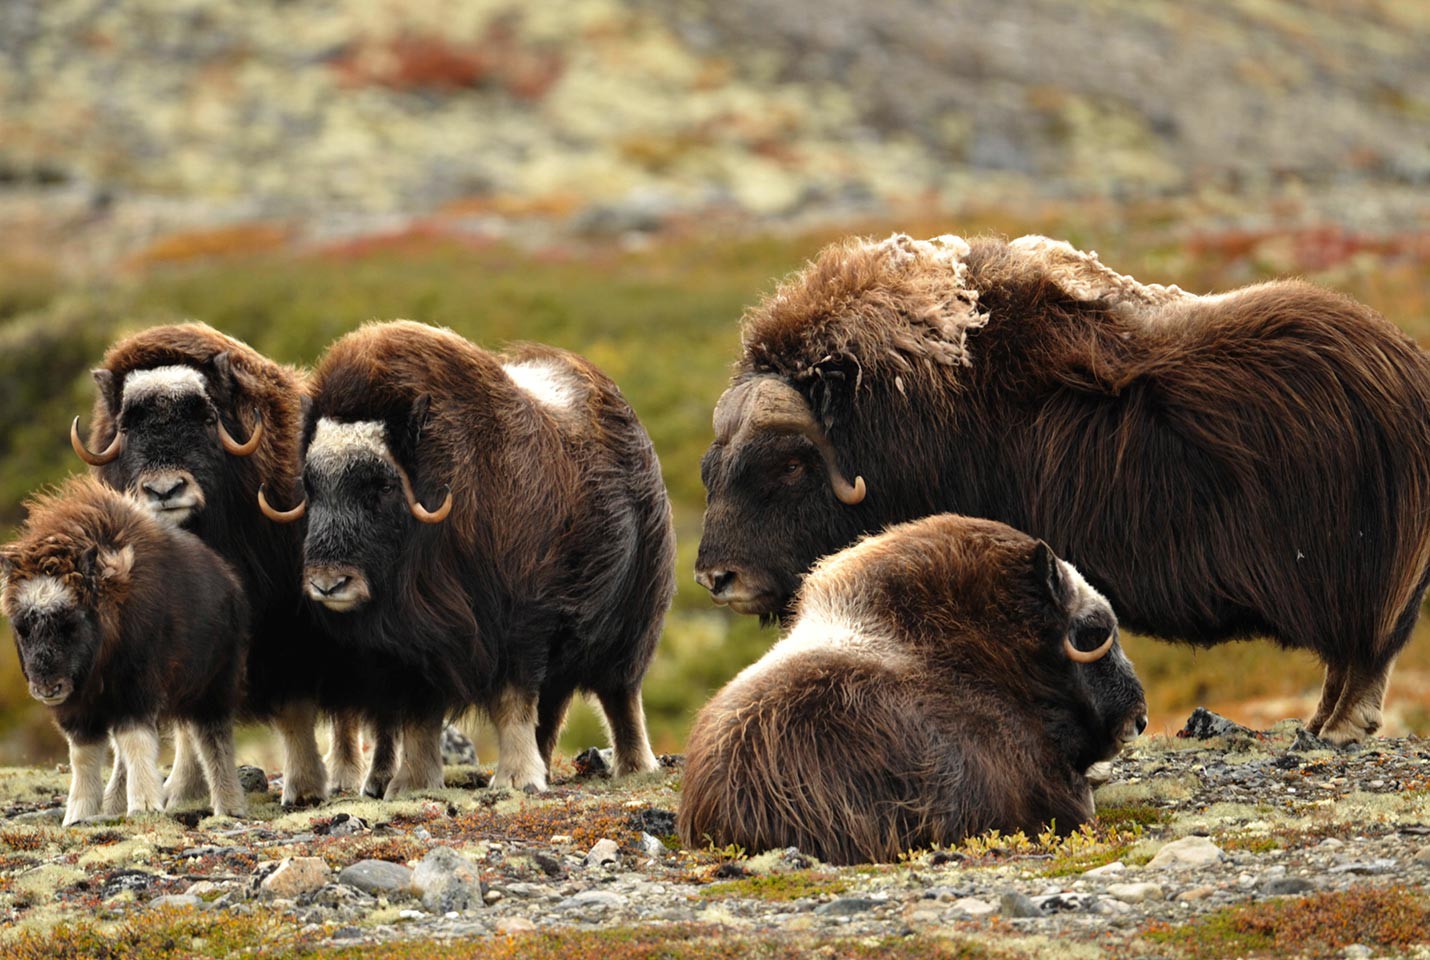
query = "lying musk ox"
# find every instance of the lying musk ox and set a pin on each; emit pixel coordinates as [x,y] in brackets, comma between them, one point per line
[544,566]
[123,622]
[1221,467]
[193,422]
[945,678]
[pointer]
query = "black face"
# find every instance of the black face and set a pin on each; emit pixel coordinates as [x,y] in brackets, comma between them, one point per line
[57,645]
[770,513]
[358,523]
[172,458]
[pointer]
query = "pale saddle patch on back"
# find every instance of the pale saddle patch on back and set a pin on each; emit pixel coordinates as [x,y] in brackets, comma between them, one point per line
[165,383]
[549,384]
[1082,276]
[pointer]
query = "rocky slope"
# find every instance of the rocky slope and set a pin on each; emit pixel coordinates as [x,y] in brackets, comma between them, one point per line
[1264,844]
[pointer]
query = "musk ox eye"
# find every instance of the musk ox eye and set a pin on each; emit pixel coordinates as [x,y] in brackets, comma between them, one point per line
[793,468]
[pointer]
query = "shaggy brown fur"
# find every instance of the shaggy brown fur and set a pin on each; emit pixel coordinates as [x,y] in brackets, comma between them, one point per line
[1253,463]
[922,696]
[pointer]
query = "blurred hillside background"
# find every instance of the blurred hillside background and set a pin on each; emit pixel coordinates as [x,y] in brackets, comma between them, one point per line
[622,177]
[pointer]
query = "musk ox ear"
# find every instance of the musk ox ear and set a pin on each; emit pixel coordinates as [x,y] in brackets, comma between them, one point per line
[1048,574]
[108,389]
[223,380]
[831,393]
[114,566]
[417,419]
[7,564]
[88,564]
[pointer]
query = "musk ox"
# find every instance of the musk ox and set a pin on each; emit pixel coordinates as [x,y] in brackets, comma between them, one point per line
[192,422]
[1255,463]
[544,566]
[123,622]
[944,678]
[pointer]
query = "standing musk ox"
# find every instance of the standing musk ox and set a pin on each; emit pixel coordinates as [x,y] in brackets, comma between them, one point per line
[192,422]
[947,677]
[1255,463]
[544,567]
[123,622]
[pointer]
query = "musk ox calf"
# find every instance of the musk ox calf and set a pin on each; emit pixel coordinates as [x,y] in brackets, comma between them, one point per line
[1255,463]
[947,677]
[123,622]
[543,566]
[192,422]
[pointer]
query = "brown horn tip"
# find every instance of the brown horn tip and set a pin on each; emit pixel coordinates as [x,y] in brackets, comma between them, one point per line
[433,516]
[242,449]
[281,516]
[1087,656]
[107,455]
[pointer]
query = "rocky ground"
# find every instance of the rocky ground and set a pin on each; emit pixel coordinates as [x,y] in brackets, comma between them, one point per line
[1224,842]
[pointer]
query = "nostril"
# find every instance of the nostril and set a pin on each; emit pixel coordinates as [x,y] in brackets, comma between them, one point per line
[720,580]
[166,489]
[328,587]
[1141,724]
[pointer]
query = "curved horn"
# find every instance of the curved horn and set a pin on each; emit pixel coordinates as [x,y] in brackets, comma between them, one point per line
[107,455]
[280,516]
[849,494]
[242,449]
[1087,656]
[415,505]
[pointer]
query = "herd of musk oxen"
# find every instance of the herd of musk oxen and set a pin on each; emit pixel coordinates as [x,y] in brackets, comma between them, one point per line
[940,466]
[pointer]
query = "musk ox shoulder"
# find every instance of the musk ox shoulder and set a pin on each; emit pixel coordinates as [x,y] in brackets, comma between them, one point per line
[945,678]
[193,422]
[484,530]
[123,622]
[1254,463]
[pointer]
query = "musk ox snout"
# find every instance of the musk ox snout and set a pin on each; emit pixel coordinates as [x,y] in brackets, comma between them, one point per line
[737,589]
[339,587]
[52,692]
[170,494]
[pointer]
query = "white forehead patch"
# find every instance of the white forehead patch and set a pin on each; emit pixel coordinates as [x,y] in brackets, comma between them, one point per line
[336,444]
[43,595]
[548,384]
[165,382]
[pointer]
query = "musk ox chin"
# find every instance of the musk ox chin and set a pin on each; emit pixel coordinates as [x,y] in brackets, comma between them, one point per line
[945,678]
[1254,463]
[123,622]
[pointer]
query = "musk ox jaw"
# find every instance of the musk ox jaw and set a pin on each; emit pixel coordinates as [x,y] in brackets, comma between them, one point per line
[339,588]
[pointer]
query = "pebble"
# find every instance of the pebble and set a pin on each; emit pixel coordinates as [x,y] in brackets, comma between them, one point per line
[1135,892]
[1107,869]
[974,907]
[652,846]
[844,907]
[1015,904]
[592,898]
[447,881]
[1286,886]
[1196,893]
[176,900]
[1365,868]
[603,853]
[457,748]
[514,925]
[252,779]
[296,875]
[1186,852]
[377,877]
[1423,856]
[203,888]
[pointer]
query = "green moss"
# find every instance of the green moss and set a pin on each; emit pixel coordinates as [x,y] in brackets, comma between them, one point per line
[1128,815]
[778,886]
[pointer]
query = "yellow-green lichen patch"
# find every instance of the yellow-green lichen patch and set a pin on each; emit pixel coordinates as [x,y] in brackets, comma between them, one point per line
[779,886]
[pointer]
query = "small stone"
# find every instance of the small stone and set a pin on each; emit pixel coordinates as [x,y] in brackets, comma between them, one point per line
[176,900]
[511,926]
[652,846]
[410,914]
[1356,951]
[48,815]
[1107,869]
[1135,892]
[1331,843]
[1109,906]
[347,933]
[593,762]
[604,852]
[295,876]
[1286,886]
[592,898]
[548,864]
[377,877]
[974,907]
[1204,725]
[447,881]
[844,907]
[252,779]
[1422,856]
[457,748]
[203,888]
[1186,852]
[1196,893]
[1365,868]
[1015,904]
[1306,742]
[493,895]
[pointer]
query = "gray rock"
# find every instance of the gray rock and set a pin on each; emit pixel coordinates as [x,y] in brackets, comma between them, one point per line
[603,853]
[1286,886]
[377,877]
[176,900]
[1306,741]
[457,748]
[447,881]
[1062,903]
[47,815]
[592,898]
[1204,725]
[1365,868]
[1135,892]
[845,907]
[296,876]
[252,779]
[1015,904]
[1423,856]
[974,907]
[652,846]
[1186,852]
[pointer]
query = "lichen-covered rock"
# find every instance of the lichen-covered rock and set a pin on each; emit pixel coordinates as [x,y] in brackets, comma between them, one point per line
[295,876]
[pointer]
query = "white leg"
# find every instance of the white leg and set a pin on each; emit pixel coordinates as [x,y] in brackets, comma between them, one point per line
[421,766]
[214,743]
[344,759]
[186,780]
[304,778]
[1358,713]
[86,780]
[519,762]
[625,722]
[114,794]
[384,760]
[140,748]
